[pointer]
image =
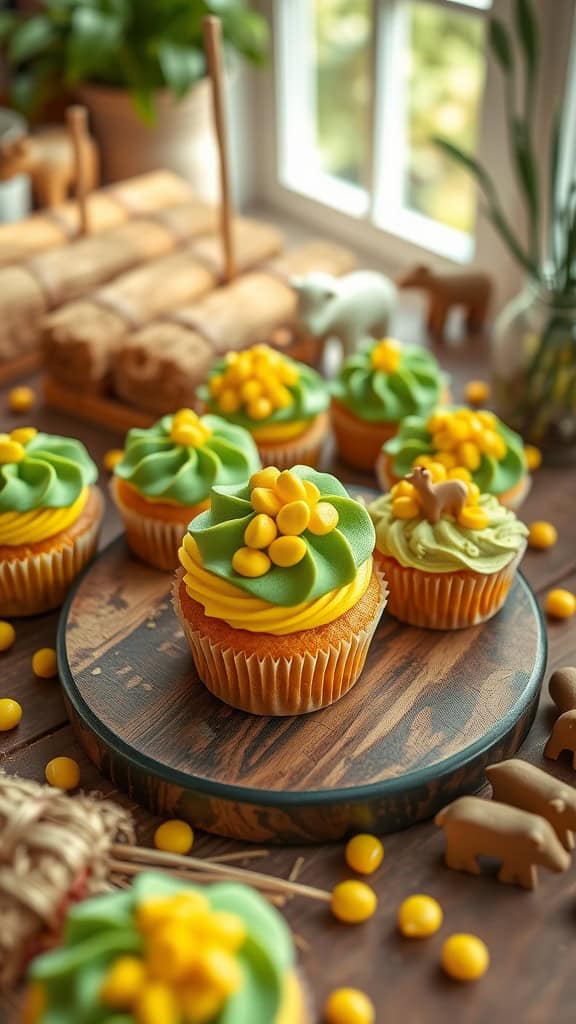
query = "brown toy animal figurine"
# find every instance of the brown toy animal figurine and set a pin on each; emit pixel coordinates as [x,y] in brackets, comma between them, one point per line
[523,785]
[475,827]
[473,291]
[562,687]
[48,157]
[448,496]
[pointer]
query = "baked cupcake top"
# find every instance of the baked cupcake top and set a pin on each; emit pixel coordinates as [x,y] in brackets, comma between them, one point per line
[479,442]
[445,526]
[385,381]
[44,482]
[272,396]
[182,456]
[284,552]
[167,944]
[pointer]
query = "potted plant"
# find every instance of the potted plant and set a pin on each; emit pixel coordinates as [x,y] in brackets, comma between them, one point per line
[139,67]
[534,342]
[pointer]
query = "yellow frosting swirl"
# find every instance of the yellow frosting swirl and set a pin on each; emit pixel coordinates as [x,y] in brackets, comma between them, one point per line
[222,600]
[280,431]
[39,523]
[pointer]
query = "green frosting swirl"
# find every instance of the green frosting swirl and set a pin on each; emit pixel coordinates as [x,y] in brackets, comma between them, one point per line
[331,560]
[158,467]
[310,398]
[445,546]
[100,930]
[52,474]
[493,476]
[379,397]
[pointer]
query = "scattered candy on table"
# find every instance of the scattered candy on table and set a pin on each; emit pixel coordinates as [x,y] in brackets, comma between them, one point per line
[419,916]
[44,663]
[63,773]
[7,636]
[174,837]
[21,399]
[364,853]
[560,604]
[10,714]
[533,457]
[112,458]
[477,392]
[465,957]
[349,1006]
[542,535]
[353,902]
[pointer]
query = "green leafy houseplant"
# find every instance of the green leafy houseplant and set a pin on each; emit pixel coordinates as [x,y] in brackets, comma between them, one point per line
[142,46]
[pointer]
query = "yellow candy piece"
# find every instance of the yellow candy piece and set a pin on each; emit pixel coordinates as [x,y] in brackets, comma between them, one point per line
[437,471]
[11,451]
[153,914]
[404,489]
[419,916]
[312,492]
[113,458]
[23,435]
[386,355]
[265,477]
[364,853]
[469,455]
[294,517]
[446,459]
[493,444]
[188,435]
[477,392]
[287,551]
[10,714]
[290,487]
[443,441]
[169,953]
[200,1005]
[353,902]
[437,420]
[472,517]
[250,563]
[460,473]
[465,957]
[259,409]
[228,401]
[533,457]
[231,358]
[122,983]
[174,837]
[215,385]
[157,1005]
[542,535]
[287,374]
[226,930]
[260,532]
[281,397]
[424,461]
[405,507]
[349,1006]
[44,663]
[560,604]
[324,519]
[185,416]
[221,971]
[21,399]
[63,773]
[473,493]
[458,430]
[265,500]
[251,390]
[487,419]
[7,635]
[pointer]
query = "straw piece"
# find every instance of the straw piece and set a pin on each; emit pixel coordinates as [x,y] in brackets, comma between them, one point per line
[296,869]
[213,48]
[229,858]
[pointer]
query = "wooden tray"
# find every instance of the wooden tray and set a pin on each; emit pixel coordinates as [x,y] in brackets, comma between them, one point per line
[430,710]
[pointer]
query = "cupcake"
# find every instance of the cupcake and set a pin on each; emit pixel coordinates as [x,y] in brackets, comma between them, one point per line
[449,553]
[471,445]
[165,476]
[169,952]
[278,595]
[376,388]
[50,516]
[281,402]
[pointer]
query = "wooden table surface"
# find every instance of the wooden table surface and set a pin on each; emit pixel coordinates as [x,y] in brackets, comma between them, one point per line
[531,936]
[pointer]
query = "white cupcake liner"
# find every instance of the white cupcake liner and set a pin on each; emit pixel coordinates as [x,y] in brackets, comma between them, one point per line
[304,450]
[154,541]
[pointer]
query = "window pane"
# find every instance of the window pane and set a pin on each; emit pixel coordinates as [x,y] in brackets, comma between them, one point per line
[343,87]
[445,84]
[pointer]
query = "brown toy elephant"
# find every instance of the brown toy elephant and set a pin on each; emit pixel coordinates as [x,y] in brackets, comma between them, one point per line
[473,291]
[48,157]
[523,785]
[475,827]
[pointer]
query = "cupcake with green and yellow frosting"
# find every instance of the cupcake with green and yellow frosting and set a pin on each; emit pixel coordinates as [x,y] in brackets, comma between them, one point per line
[278,594]
[282,403]
[376,388]
[166,474]
[471,444]
[449,552]
[50,516]
[169,952]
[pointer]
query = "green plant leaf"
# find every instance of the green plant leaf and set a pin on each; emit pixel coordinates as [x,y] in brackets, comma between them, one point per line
[500,44]
[247,32]
[527,29]
[8,22]
[95,40]
[181,66]
[33,37]
[525,164]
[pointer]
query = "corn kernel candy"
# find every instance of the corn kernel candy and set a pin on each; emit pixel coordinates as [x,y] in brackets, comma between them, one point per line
[265,500]
[294,517]
[437,420]
[228,401]
[174,837]
[349,1006]
[21,399]
[23,435]
[261,531]
[542,535]
[324,519]
[10,714]
[404,489]
[251,390]
[122,983]
[446,459]
[157,1004]
[10,451]
[216,384]
[533,457]
[287,551]
[265,477]
[364,853]
[437,472]
[460,473]
[62,773]
[419,916]
[250,563]
[290,487]
[405,507]
[7,635]
[472,517]
[469,455]
[312,492]
[189,906]
[259,409]
[560,603]
[477,392]
[353,902]
[188,435]
[465,957]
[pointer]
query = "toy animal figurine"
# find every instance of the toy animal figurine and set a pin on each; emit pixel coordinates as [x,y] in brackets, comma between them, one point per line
[473,291]
[483,828]
[351,308]
[562,689]
[48,157]
[448,496]
[523,785]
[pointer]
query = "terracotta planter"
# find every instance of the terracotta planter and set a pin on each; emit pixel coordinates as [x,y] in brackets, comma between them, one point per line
[182,138]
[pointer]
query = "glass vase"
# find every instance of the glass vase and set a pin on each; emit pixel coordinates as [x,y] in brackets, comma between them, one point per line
[534,369]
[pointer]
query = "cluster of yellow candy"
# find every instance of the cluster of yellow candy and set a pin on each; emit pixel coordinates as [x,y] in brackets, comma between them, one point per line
[406,502]
[255,381]
[285,507]
[13,445]
[386,355]
[189,429]
[189,967]
[461,438]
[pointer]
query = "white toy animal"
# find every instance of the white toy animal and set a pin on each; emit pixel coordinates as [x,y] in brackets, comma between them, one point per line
[351,308]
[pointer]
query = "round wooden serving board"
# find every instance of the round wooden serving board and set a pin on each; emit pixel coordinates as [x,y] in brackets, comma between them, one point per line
[430,710]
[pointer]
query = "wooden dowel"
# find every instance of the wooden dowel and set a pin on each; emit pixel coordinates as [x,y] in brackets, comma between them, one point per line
[77,124]
[213,48]
[229,858]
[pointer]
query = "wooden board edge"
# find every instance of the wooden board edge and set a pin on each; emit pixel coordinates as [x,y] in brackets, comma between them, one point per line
[104,412]
[13,368]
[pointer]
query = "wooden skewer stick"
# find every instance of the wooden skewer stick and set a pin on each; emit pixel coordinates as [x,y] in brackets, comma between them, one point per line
[77,124]
[229,858]
[213,48]
[187,876]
